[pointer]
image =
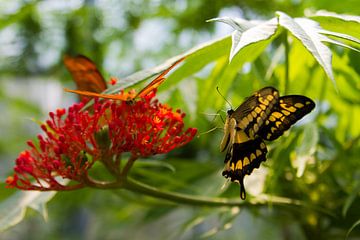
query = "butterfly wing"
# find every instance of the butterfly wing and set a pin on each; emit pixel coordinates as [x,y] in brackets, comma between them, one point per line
[243,154]
[251,115]
[85,74]
[289,110]
[158,80]
[94,94]
[242,158]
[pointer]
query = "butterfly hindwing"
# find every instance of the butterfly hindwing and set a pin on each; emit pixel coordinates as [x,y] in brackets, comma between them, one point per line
[289,110]
[251,114]
[241,160]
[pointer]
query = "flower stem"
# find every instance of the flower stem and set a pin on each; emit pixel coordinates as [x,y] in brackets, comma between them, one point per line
[136,186]
[110,164]
[128,166]
[139,187]
[118,162]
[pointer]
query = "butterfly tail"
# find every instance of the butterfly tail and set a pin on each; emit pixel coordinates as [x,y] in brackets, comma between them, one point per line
[242,189]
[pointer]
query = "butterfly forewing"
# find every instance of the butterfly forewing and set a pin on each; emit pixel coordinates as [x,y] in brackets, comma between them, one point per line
[158,80]
[251,114]
[289,110]
[85,74]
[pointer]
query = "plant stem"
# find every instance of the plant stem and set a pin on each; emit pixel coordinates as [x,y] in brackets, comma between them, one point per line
[124,182]
[110,165]
[135,186]
[128,166]
[118,162]
[287,66]
[179,198]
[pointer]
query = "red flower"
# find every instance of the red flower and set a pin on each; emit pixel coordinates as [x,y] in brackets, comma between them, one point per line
[74,142]
[113,80]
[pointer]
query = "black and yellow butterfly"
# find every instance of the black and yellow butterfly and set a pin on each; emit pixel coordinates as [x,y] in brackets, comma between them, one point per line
[263,116]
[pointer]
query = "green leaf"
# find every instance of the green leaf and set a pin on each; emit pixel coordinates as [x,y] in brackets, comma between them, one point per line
[248,32]
[19,15]
[341,23]
[357,223]
[309,140]
[154,163]
[305,152]
[350,199]
[196,59]
[13,209]
[307,31]
[342,36]
[246,54]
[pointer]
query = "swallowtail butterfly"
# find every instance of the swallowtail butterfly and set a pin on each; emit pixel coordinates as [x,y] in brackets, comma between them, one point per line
[264,116]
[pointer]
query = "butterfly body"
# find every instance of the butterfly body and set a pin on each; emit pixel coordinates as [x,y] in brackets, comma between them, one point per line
[263,116]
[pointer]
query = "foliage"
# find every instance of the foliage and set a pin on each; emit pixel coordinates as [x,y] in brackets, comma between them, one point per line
[308,187]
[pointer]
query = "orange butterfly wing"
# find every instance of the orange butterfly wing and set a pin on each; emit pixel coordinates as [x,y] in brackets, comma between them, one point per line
[85,74]
[157,81]
[93,94]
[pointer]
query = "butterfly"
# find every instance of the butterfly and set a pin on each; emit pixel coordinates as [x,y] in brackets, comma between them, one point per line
[264,116]
[124,97]
[85,74]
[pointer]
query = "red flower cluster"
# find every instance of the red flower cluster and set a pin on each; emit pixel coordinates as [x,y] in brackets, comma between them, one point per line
[73,142]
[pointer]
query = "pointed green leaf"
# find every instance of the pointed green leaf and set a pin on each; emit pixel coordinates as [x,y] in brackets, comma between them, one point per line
[154,163]
[357,223]
[329,40]
[307,148]
[248,32]
[350,199]
[341,23]
[342,36]
[238,24]
[344,17]
[196,59]
[307,31]
[13,209]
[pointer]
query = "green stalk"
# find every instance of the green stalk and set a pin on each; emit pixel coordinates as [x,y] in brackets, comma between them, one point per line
[124,182]
[287,66]
[136,186]
[179,198]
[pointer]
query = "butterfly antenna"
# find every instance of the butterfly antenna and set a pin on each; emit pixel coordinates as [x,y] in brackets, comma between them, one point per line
[222,119]
[217,89]
[217,114]
[208,131]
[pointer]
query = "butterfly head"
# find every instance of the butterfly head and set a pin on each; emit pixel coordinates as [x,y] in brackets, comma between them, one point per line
[230,111]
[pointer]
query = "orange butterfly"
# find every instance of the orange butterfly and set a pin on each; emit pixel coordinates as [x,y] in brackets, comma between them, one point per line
[124,97]
[85,74]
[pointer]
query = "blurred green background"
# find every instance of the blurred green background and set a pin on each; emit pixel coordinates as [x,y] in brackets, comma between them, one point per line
[316,162]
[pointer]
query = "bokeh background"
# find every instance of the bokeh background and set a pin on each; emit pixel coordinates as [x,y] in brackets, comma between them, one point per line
[123,37]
